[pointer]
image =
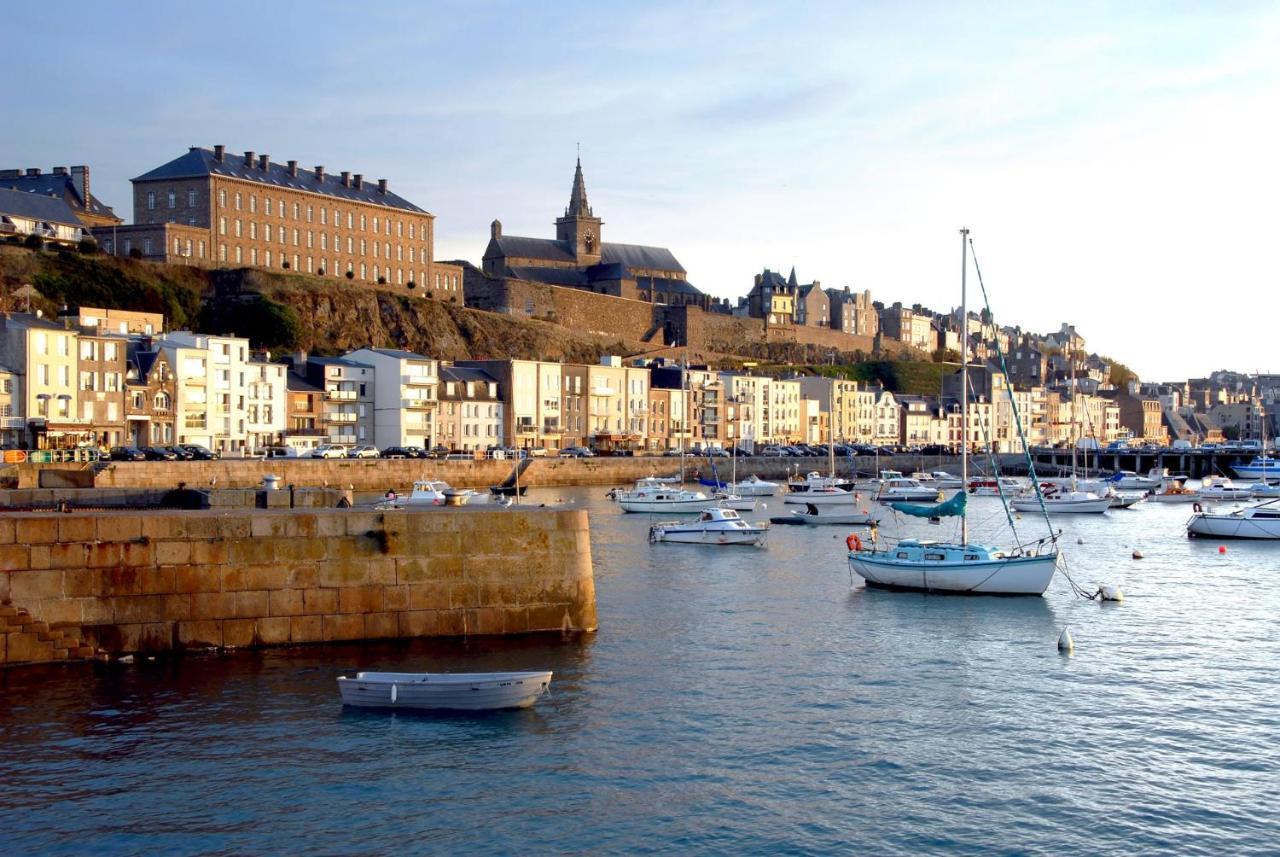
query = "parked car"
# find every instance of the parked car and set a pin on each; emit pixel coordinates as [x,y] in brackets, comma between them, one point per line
[774,452]
[363,451]
[329,450]
[182,454]
[404,452]
[159,453]
[200,453]
[576,452]
[282,452]
[127,453]
[716,452]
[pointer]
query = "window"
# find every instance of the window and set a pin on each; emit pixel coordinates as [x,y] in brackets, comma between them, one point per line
[151,200]
[191,198]
[362,225]
[237,200]
[222,198]
[238,230]
[363,272]
[295,261]
[107,246]
[239,255]
[348,220]
[375,249]
[295,213]
[310,213]
[146,246]
[222,252]
[324,240]
[253,255]
[295,238]
[310,239]
[266,202]
[410,231]
[400,253]
[363,251]
[309,265]
[386,250]
[87,350]
[375,224]
[324,220]
[253,203]
[350,243]
[109,351]
[266,231]
[253,229]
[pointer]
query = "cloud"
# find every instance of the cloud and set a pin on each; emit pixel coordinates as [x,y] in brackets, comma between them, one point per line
[776,106]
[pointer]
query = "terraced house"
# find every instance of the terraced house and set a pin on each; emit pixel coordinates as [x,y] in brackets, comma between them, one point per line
[212,207]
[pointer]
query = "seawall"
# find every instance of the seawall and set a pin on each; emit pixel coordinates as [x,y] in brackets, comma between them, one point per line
[72,585]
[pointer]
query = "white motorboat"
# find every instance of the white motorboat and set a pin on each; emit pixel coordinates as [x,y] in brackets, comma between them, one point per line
[944,480]
[427,492]
[753,486]
[1125,499]
[959,567]
[984,487]
[458,691]
[1222,488]
[666,499]
[1127,480]
[816,481]
[733,501]
[1261,467]
[713,527]
[823,496]
[1057,502]
[852,516]
[1262,489]
[1255,522]
[909,490]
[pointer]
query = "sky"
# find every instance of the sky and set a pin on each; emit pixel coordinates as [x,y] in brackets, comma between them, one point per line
[1116,163]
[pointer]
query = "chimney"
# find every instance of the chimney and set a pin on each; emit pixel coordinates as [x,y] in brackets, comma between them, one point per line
[319,173]
[264,161]
[358,181]
[293,168]
[346,179]
[382,185]
[495,229]
[248,160]
[59,171]
[218,152]
[10,174]
[33,171]
[80,178]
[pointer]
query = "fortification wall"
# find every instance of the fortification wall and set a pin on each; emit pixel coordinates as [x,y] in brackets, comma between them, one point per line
[135,582]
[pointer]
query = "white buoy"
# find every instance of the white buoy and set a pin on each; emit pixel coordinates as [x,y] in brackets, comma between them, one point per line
[1065,643]
[1110,593]
[1137,554]
[394,694]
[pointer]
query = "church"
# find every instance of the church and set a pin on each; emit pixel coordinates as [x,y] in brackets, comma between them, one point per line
[578,257]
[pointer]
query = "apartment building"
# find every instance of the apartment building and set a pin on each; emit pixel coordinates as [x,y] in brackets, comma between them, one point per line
[120,322]
[210,377]
[347,399]
[574,403]
[149,390]
[532,397]
[44,359]
[100,372]
[12,424]
[909,325]
[470,414]
[744,398]
[246,210]
[836,397]
[405,396]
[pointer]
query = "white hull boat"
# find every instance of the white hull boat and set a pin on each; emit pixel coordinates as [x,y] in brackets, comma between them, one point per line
[1262,467]
[823,497]
[1127,480]
[665,501]
[427,493]
[1067,503]
[842,515]
[907,490]
[456,691]
[713,527]
[1175,494]
[938,567]
[814,481]
[1126,499]
[753,486]
[733,501]
[1225,489]
[1256,522]
[993,488]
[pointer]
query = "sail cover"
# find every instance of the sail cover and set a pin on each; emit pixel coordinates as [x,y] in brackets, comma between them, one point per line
[953,508]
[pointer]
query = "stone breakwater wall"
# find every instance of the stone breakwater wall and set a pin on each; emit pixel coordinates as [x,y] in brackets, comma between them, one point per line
[124,582]
[381,474]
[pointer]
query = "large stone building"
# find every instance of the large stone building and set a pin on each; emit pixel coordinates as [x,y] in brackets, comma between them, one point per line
[212,207]
[578,257]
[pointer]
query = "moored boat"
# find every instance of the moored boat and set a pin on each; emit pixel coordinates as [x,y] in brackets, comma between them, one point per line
[456,691]
[426,493]
[713,527]
[902,488]
[1222,488]
[1256,522]
[663,498]
[818,515]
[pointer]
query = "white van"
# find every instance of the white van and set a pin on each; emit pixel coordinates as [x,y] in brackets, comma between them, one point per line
[1181,444]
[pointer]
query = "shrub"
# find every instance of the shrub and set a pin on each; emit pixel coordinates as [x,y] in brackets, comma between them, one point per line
[382,281]
[286,266]
[351,275]
[135,253]
[320,270]
[87,246]
[33,242]
[412,284]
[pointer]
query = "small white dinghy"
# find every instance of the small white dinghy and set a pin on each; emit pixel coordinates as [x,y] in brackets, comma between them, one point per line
[455,691]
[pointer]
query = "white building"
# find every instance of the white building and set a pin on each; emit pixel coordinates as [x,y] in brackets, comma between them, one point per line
[404,396]
[266,403]
[210,406]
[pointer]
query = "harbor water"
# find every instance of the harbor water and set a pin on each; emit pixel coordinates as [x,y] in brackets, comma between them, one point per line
[735,700]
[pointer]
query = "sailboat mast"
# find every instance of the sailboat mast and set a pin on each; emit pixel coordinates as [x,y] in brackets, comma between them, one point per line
[831,436]
[964,379]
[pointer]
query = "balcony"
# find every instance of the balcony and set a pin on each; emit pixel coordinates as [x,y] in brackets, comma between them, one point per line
[419,380]
[417,404]
[340,417]
[603,390]
[525,428]
[335,395]
[345,439]
[12,422]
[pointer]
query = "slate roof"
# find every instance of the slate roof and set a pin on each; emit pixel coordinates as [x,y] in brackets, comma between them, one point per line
[198,162]
[34,206]
[61,186]
[399,355]
[338,361]
[466,373]
[550,250]
[545,249]
[668,284]
[640,256]
[295,383]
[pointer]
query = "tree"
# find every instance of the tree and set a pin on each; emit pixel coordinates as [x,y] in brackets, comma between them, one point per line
[1121,374]
[411,284]
[87,246]
[33,242]
[382,281]
[351,275]
[135,253]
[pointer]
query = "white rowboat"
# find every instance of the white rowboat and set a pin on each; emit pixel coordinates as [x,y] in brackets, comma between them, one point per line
[457,691]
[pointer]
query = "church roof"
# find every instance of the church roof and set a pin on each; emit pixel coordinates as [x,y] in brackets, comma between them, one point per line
[550,250]
[199,162]
[578,206]
[668,284]
[640,256]
[546,249]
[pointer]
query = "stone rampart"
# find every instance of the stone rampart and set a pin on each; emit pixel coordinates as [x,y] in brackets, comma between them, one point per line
[162,580]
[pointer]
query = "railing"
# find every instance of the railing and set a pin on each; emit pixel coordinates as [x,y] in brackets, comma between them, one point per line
[419,380]
[340,395]
[526,429]
[340,417]
[417,404]
[12,422]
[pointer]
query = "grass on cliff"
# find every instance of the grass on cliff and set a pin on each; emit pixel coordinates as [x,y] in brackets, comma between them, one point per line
[908,377]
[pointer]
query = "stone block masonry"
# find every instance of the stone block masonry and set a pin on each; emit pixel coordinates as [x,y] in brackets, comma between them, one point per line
[157,581]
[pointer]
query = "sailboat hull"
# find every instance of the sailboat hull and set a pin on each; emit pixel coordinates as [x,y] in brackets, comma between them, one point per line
[1023,575]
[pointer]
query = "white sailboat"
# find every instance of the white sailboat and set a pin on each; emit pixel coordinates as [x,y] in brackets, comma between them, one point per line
[1256,522]
[960,567]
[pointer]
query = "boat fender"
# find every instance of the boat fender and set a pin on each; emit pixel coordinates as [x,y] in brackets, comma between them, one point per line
[394,693]
[1137,554]
[1066,645]
[1195,507]
[853,542]
[1110,593]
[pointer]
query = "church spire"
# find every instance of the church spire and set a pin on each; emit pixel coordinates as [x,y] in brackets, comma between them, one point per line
[578,206]
[791,281]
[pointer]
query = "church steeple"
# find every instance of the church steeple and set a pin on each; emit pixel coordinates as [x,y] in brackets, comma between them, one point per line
[579,229]
[578,206]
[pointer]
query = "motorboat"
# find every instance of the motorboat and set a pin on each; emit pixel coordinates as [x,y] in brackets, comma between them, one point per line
[940,479]
[753,486]
[943,567]
[824,496]
[508,490]
[713,527]
[816,481]
[457,691]
[1222,488]
[1261,467]
[427,492]
[728,500]
[667,499]
[1255,522]
[846,516]
[910,490]
[986,487]
[1127,480]
[959,567]
[1061,502]
[1125,499]
[1175,493]
[1263,489]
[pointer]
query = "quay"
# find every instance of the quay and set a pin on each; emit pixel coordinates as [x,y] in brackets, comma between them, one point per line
[1195,463]
[83,584]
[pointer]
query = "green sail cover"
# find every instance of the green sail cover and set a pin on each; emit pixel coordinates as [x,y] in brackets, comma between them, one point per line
[953,508]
